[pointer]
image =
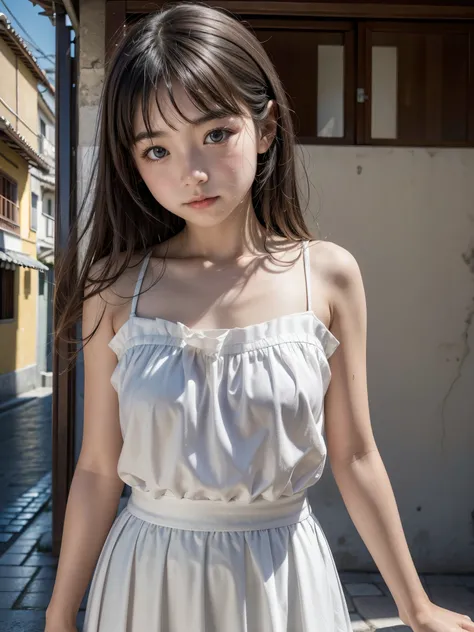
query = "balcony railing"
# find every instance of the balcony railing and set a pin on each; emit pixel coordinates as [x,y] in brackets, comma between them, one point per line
[9,214]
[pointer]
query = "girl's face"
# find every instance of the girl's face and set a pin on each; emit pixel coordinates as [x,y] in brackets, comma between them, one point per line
[211,158]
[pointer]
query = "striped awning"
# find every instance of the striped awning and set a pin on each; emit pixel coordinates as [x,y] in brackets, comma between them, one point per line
[46,255]
[11,258]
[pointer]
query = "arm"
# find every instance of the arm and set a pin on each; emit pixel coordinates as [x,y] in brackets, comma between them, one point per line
[96,488]
[355,460]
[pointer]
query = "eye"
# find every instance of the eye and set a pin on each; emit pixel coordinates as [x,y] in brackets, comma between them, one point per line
[219,135]
[155,153]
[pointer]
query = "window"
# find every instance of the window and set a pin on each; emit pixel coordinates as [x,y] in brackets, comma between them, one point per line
[373,83]
[49,227]
[48,206]
[7,284]
[48,213]
[41,284]
[313,59]
[42,136]
[34,211]
[418,85]
[9,213]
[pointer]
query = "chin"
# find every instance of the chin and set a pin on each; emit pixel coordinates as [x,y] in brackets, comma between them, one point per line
[200,218]
[211,216]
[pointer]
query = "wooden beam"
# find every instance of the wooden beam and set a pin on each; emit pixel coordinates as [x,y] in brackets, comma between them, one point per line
[350,80]
[364,83]
[470,122]
[370,10]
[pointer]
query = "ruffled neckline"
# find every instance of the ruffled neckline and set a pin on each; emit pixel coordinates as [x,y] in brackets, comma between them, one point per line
[276,329]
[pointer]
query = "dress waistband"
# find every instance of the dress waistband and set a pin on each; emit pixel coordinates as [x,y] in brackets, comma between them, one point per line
[215,515]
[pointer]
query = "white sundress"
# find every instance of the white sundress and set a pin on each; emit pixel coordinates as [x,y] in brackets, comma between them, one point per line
[222,437]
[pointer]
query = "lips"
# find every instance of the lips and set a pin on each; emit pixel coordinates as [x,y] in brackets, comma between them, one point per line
[200,199]
[202,202]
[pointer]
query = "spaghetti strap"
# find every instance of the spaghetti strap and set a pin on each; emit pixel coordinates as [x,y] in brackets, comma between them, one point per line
[138,286]
[307,274]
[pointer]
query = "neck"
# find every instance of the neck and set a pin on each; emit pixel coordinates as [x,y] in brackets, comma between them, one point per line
[239,235]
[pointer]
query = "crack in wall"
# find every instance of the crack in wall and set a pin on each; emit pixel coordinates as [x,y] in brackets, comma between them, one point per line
[94,64]
[468,258]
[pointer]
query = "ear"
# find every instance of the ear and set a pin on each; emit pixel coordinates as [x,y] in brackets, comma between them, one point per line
[269,128]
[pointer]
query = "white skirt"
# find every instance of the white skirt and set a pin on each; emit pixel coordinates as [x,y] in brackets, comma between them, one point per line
[178,565]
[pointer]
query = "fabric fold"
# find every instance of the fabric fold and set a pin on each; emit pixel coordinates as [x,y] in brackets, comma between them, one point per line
[222,437]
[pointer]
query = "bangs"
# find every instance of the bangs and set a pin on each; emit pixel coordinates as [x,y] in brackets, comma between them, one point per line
[210,91]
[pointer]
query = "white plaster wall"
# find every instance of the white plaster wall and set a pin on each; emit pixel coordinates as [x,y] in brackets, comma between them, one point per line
[407,216]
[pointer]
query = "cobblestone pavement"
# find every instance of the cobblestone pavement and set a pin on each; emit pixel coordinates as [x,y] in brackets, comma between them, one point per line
[15,516]
[25,447]
[25,463]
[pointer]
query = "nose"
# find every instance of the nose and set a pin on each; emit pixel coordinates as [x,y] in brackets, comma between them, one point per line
[194,169]
[195,176]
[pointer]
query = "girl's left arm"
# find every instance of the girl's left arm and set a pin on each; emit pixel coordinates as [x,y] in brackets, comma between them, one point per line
[355,460]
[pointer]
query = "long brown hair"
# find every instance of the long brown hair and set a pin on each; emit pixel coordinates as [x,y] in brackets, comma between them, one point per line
[219,62]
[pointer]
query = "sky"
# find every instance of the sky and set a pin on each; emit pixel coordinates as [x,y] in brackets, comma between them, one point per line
[38,33]
[41,32]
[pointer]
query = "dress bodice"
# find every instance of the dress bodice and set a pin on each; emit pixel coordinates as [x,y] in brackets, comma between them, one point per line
[223,414]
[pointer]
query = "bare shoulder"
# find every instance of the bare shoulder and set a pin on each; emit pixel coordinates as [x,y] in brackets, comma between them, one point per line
[115,281]
[336,265]
[122,274]
[339,274]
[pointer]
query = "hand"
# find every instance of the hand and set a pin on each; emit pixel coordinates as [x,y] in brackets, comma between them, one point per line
[433,618]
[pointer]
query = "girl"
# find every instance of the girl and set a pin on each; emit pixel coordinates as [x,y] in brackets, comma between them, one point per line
[209,317]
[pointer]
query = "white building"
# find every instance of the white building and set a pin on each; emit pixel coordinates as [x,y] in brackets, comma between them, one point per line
[43,218]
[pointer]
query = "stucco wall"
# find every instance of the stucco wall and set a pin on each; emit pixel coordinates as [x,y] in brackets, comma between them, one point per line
[8,89]
[25,101]
[28,105]
[407,215]
[18,337]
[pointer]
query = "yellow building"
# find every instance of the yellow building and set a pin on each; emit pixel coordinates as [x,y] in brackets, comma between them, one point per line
[19,268]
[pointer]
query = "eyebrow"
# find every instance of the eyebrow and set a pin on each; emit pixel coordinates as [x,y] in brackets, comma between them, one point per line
[205,118]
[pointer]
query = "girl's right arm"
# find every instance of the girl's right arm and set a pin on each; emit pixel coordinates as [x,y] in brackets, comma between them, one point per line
[96,488]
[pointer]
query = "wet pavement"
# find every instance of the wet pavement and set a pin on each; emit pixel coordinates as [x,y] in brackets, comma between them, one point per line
[25,447]
[25,464]
[18,514]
